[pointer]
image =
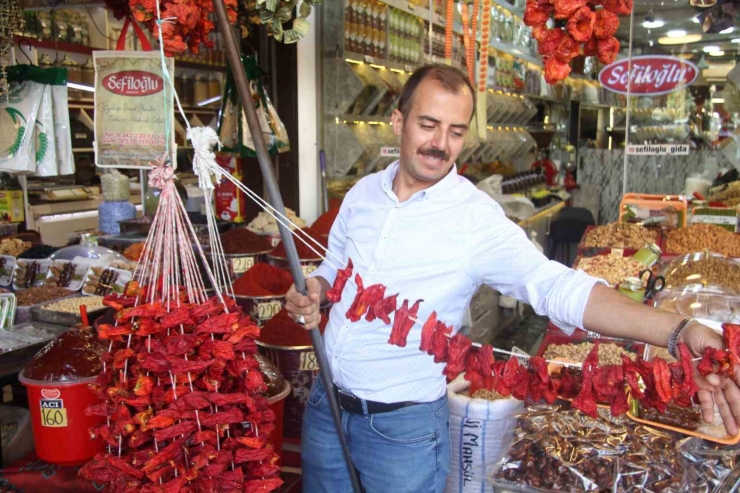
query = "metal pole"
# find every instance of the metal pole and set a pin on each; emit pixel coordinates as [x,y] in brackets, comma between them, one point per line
[276,201]
[324,191]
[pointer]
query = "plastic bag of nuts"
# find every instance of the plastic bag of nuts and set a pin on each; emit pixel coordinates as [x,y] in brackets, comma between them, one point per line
[565,450]
[707,466]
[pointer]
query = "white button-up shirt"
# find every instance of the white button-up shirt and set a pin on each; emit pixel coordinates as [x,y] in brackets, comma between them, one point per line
[439,246]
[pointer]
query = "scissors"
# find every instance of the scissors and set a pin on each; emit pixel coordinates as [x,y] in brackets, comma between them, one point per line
[654,284]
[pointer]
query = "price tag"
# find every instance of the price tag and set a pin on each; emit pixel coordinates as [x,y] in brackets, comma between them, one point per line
[308,361]
[307,269]
[241,265]
[592,335]
[268,309]
[522,356]
[617,252]
[53,413]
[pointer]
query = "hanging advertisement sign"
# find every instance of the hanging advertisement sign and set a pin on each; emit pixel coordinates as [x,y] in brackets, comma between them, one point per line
[651,75]
[658,149]
[134,112]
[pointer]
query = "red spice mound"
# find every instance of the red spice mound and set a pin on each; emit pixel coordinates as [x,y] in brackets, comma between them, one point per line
[281,330]
[263,280]
[304,252]
[73,355]
[323,224]
[241,240]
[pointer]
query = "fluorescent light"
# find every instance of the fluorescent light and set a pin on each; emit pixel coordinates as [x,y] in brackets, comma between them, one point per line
[655,24]
[716,53]
[728,30]
[676,33]
[735,40]
[689,38]
[711,48]
[718,100]
[80,87]
[695,19]
[209,101]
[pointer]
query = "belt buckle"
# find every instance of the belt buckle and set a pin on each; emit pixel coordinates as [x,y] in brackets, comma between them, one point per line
[349,402]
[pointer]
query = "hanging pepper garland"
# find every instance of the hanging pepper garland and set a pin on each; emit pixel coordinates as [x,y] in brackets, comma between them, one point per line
[591,24]
[663,383]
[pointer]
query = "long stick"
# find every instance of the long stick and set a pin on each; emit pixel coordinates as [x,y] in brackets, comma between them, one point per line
[276,200]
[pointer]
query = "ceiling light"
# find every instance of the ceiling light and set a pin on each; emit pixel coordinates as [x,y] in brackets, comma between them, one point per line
[728,30]
[689,38]
[735,40]
[676,33]
[80,87]
[718,100]
[654,24]
[710,48]
[695,19]
[716,53]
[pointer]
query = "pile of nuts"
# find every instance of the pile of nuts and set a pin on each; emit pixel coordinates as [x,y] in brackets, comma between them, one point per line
[705,271]
[609,353]
[698,237]
[72,305]
[611,268]
[40,294]
[489,395]
[13,246]
[620,235]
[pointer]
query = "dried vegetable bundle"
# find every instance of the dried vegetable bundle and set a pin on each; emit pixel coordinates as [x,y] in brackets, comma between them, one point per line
[585,26]
[655,383]
[181,388]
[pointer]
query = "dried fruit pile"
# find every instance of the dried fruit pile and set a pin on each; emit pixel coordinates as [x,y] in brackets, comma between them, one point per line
[663,383]
[585,25]
[184,398]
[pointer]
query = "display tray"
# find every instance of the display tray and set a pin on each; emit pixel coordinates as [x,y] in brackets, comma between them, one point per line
[584,251]
[727,440]
[40,314]
[28,345]
[579,336]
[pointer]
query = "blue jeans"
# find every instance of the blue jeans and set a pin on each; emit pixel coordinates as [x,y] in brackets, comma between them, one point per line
[403,451]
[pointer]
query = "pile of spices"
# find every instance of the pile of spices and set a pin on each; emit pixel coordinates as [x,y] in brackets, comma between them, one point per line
[38,251]
[241,240]
[40,294]
[323,224]
[304,252]
[73,355]
[281,330]
[263,280]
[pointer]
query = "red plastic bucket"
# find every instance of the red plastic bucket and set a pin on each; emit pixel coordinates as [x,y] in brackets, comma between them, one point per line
[60,426]
[277,404]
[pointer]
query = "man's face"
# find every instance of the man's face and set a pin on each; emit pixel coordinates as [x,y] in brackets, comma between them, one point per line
[433,133]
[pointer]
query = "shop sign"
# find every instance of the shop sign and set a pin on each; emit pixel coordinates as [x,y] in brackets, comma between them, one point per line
[390,151]
[134,111]
[651,75]
[658,149]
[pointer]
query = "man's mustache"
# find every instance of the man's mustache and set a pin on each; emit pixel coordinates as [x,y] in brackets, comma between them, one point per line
[434,154]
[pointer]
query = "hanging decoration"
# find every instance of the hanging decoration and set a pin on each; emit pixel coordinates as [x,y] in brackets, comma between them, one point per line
[585,25]
[449,19]
[482,83]
[273,14]
[11,22]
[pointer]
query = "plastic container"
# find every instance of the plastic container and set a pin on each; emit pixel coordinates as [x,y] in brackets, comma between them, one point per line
[60,426]
[709,270]
[700,303]
[299,366]
[640,207]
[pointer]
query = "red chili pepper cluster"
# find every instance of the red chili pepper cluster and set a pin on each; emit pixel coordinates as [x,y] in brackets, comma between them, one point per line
[185,23]
[185,400]
[584,26]
[654,383]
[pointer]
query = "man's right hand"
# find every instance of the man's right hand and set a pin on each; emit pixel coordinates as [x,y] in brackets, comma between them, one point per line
[307,306]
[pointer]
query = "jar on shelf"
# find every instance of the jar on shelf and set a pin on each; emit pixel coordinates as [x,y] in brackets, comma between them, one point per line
[45,61]
[200,89]
[214,86]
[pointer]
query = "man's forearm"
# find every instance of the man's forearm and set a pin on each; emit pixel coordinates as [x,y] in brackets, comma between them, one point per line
[325,286]
[612,314]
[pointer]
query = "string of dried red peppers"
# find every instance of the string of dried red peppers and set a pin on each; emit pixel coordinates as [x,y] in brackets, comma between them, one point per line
[662,382]
[590,24]
[186,409]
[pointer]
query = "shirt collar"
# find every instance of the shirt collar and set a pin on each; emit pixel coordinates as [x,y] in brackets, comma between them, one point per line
[446,183]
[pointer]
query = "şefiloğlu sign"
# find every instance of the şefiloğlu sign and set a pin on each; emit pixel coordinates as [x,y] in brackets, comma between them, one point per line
[658,149]
[651,75]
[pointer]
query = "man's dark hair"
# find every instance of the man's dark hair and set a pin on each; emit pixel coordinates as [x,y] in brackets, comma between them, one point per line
[452,79]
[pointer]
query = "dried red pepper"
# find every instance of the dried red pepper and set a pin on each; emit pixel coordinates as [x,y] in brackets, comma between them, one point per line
[581,24]
[586,400]
[550,41]
[619,7]
[731,337]
[706,366]
[564,9]
[334,294]
[555,70]
[662,377]
[403,322]
[458,350]
[364,299]
[427,333]
[440,342]
[382,309]
[607,50]
[537,14]
[606,24]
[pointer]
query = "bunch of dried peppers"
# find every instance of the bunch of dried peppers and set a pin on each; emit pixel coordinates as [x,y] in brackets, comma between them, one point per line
[185,399]
[655,383]
[586,25]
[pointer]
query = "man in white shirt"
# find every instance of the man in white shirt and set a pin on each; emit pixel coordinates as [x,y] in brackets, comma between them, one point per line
[428,234]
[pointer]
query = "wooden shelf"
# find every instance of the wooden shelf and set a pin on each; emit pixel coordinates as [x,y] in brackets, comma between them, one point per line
[57,45]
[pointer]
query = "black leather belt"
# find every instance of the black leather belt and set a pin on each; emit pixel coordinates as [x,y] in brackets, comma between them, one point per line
[353,404]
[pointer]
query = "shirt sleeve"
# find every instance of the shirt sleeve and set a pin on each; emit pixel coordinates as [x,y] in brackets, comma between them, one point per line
[337,240]
[500,254]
